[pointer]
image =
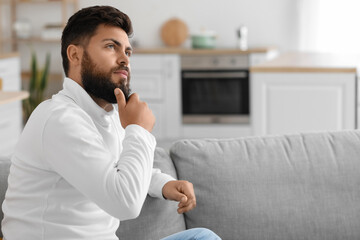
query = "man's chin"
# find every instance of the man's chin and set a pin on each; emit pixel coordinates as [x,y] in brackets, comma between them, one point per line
[111,100]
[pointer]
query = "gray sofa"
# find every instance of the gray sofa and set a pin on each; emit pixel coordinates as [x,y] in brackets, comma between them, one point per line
[300,186]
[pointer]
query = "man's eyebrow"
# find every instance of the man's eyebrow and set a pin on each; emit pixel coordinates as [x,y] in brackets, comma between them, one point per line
[117,43]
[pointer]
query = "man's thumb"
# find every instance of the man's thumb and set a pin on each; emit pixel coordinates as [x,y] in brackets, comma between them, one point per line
[120,98]
[179,197]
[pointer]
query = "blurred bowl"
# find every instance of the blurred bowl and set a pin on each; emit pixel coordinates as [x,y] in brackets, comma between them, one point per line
[204,40]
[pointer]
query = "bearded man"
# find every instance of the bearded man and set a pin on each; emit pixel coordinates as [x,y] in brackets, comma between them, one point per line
[82,163]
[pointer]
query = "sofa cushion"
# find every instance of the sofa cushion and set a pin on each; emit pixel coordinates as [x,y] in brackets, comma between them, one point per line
[4,173]
[303,186]
[158,217]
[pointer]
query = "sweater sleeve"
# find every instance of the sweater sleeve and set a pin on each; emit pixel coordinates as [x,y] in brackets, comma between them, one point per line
[75,150]
[158,181]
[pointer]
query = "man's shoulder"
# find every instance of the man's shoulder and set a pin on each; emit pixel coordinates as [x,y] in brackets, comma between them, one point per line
[55,110]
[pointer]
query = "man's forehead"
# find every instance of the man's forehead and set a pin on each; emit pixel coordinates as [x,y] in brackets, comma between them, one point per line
[110,32]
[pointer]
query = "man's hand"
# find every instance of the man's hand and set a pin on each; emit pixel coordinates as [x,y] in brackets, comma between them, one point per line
[134,111]
[182,192]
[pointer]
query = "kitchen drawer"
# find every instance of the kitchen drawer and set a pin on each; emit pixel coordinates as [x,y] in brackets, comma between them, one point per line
[146,62]
[220,62]
[147,84]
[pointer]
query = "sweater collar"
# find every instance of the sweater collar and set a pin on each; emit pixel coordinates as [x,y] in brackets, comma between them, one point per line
[78,94]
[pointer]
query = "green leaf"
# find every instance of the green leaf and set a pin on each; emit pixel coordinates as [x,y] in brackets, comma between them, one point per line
[34,72]
[37,85]
[45,73]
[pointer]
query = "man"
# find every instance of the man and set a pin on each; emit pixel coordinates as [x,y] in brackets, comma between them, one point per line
[81,165]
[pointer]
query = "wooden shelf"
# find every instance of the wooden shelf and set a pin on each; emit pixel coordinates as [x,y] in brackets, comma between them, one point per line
[43,1]
[8,97]
[37,40]
[191,51]
[13,40]
[52,76]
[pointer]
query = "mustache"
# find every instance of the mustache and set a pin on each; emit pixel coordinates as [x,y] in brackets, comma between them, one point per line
[124,89]
[120,68]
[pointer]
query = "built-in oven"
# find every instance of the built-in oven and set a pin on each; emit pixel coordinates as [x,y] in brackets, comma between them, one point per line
[215,89]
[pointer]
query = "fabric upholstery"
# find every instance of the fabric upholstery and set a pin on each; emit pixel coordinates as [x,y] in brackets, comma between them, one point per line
[158,217]
[4,173]
[303,186]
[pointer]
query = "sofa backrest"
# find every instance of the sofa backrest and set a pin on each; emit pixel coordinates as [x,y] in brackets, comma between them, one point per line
[301,186]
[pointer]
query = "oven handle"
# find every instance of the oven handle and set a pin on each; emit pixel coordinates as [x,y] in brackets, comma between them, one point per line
[207,75]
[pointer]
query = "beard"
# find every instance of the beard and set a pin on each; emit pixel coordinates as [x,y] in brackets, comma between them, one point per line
[99,84]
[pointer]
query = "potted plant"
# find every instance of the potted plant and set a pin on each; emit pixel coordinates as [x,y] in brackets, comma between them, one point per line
[37,85]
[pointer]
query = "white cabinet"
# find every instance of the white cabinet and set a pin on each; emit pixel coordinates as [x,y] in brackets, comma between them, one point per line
[10,113]
[156,78]
[300,101]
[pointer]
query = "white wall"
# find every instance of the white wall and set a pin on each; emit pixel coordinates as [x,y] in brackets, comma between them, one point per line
[270,23]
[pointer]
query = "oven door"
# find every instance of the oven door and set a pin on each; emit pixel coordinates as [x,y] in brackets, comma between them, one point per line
[215,96]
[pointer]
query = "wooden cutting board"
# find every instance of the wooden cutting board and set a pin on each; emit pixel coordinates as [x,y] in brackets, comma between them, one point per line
[174,32]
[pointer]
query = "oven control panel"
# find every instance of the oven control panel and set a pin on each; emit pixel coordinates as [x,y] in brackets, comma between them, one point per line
[214,62]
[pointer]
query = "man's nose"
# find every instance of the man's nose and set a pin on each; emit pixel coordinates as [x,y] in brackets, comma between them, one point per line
[123,59]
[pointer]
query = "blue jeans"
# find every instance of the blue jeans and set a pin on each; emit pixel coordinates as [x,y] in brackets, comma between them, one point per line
[194,234]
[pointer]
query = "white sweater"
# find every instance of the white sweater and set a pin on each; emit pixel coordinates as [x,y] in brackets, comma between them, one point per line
[76,172]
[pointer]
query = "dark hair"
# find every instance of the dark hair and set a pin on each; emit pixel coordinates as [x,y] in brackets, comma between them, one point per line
[83,24]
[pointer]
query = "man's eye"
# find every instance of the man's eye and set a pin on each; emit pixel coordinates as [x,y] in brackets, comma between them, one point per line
[111,46]
[128,54]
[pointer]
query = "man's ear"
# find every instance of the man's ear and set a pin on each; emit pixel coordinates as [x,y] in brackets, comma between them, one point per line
[74,54]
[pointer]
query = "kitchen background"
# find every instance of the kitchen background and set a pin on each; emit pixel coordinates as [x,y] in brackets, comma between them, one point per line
[270,23]
[315,25]
[288,25]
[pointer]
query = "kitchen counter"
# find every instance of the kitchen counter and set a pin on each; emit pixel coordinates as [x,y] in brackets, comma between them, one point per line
[7,97]
[8,55]
[191,51]
[311,62]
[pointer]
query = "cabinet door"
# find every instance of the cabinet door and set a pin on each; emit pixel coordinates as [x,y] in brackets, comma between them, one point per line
[156,78]
[299,102]
[148,85]
[10,113]
[10,127]
[158,130]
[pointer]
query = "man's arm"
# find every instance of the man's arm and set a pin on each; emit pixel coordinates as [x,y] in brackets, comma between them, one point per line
[76,151]
[137,112]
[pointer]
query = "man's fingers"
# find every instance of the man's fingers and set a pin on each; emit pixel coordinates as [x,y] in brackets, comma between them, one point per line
[190,204]
[120,98]
[182,201]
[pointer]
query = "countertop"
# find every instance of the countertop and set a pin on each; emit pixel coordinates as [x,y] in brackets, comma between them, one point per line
[8,97]
[311,62]
[8,55]
[191,51]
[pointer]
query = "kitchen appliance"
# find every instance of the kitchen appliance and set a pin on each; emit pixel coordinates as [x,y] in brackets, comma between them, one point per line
[215,89]
[242,34]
